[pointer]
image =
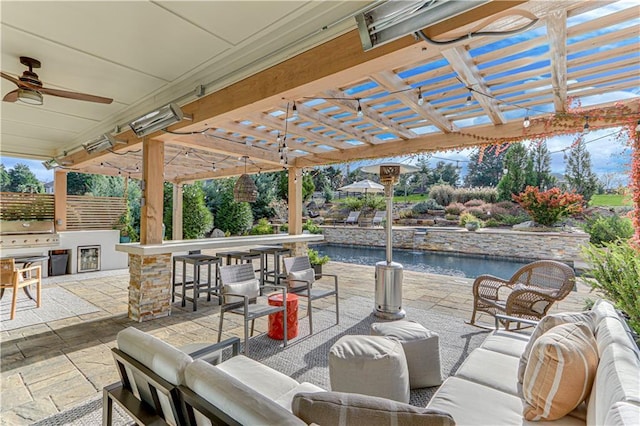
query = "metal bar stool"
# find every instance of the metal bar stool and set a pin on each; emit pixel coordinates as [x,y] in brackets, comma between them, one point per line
[197,260]
[238,256]
[277,252]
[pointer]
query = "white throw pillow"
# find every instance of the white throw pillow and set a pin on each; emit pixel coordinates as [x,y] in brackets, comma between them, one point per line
[249,288]
[299,279]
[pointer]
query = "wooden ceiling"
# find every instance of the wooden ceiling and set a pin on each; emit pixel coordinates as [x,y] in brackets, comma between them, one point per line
[579,61]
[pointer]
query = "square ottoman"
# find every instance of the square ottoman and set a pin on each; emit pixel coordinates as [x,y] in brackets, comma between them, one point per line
[369,365]
[421,348]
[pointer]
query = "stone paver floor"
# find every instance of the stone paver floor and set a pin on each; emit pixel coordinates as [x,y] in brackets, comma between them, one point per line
[48,368]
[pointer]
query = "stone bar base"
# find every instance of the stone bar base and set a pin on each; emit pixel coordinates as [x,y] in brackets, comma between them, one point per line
[149,286]
[297,249]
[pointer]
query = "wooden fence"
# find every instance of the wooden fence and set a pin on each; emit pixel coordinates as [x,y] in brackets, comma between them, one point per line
[26,206]
[93,212]
[83,212]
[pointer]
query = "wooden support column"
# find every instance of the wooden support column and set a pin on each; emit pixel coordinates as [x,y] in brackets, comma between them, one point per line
[150,275]
[177,212]
[60,199]
[153,197]
[295,210]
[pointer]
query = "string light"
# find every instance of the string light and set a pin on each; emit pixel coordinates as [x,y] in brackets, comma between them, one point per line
[469,99]
[102,165]
[294,110]
[213,167]
[420,98]
[359,112]
[586,124]
[526,123]
[186,154]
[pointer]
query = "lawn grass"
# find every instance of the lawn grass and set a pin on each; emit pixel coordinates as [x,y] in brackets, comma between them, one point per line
[609,200]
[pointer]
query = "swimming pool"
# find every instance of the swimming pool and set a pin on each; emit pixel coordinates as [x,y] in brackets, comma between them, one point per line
[425,261]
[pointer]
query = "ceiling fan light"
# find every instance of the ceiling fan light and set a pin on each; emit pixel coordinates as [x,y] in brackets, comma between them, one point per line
[30,96]
[156,120]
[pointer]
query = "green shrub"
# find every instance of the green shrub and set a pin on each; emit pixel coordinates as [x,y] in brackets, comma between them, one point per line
[510,219]
[315,258]
[284,227]
[374,203]
[454,208]
[353,203]
[615,271]
[467,217]
[486,194]
[492,223]
[310,226]
[451,216]
[603,229]
[406,214]
[263,227]
[442,194]
[424,206]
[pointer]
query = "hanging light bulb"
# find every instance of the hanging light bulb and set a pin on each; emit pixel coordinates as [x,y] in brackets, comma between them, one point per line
[294,110]
[137,168]
[526,123]
[278,138]
[213,167]
[359,110]
[469,99]
[586,124]
[186,154]
[102,165]
[420,98]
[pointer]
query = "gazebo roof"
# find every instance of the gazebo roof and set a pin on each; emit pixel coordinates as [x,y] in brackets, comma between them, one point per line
[579,61]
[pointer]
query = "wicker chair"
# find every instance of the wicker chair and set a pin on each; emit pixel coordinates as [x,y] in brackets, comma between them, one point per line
[528,294]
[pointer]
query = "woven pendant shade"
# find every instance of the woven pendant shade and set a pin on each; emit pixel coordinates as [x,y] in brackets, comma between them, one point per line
[245,189]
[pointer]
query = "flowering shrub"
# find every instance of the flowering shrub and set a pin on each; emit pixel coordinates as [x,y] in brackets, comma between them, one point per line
[549,207]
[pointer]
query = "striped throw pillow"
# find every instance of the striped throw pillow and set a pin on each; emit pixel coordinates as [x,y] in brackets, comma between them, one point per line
[560,372]
[546,324]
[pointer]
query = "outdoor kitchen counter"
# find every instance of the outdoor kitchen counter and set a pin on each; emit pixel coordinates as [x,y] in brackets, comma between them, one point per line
[215,243]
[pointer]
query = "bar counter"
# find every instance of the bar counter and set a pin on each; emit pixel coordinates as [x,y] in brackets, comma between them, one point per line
[215,243]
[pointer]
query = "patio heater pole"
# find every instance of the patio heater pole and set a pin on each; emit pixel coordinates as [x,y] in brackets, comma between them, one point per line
[389,274]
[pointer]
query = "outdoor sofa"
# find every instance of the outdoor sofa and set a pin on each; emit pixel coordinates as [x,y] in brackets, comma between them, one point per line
[483,391]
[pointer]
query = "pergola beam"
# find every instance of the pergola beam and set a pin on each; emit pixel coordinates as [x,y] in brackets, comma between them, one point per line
[557,35]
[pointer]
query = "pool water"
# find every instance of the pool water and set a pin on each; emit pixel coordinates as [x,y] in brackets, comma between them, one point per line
[425,261]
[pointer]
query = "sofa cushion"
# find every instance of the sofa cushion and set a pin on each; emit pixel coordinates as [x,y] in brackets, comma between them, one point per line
[492,369]
[603,309]
[262,379]
[623,414]
[471,403]
[160,357]
[611,330]
[306,387]
[546,324]
[560,372]
[617,379]
[235,398]
[506,342]
[337,408]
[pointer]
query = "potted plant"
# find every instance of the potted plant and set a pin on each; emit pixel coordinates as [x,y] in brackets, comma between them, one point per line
[127,231]
[316,260]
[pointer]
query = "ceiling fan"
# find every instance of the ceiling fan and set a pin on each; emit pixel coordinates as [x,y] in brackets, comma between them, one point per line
[30,89]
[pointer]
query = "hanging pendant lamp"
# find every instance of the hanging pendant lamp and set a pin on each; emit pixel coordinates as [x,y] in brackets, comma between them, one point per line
[245,188]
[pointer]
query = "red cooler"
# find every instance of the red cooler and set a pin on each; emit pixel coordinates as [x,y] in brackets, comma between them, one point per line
[276,326]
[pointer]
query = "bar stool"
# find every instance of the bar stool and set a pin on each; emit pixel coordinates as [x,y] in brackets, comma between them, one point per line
[238,256]
[197,260]
[277,252]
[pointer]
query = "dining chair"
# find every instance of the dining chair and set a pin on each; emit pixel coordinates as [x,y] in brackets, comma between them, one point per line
[240,293]
[14,278]
[300,279]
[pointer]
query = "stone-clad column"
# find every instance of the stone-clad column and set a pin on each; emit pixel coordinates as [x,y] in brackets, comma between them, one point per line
[297,249]
[149,286]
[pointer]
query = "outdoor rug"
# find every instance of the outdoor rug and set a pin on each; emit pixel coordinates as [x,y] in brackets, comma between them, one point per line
[57,303]
[306,357]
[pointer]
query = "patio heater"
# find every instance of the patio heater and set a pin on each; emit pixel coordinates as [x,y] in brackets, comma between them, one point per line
[388,293]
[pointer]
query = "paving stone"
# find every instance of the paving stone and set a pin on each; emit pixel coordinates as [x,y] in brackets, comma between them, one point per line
[14,392]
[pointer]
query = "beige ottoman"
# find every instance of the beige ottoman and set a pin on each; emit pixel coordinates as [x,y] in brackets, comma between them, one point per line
[369,365]
[421,348]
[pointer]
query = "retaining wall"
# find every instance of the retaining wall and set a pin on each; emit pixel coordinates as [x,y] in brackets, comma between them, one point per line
[563,246]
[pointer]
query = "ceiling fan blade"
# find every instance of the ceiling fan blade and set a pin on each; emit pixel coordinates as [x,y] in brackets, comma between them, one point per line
[74,95]
[10,78]
[11,96]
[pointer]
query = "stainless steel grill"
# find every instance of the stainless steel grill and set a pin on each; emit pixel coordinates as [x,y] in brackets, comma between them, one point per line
[20,234]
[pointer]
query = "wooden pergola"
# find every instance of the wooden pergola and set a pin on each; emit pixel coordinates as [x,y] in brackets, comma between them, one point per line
[577,64]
